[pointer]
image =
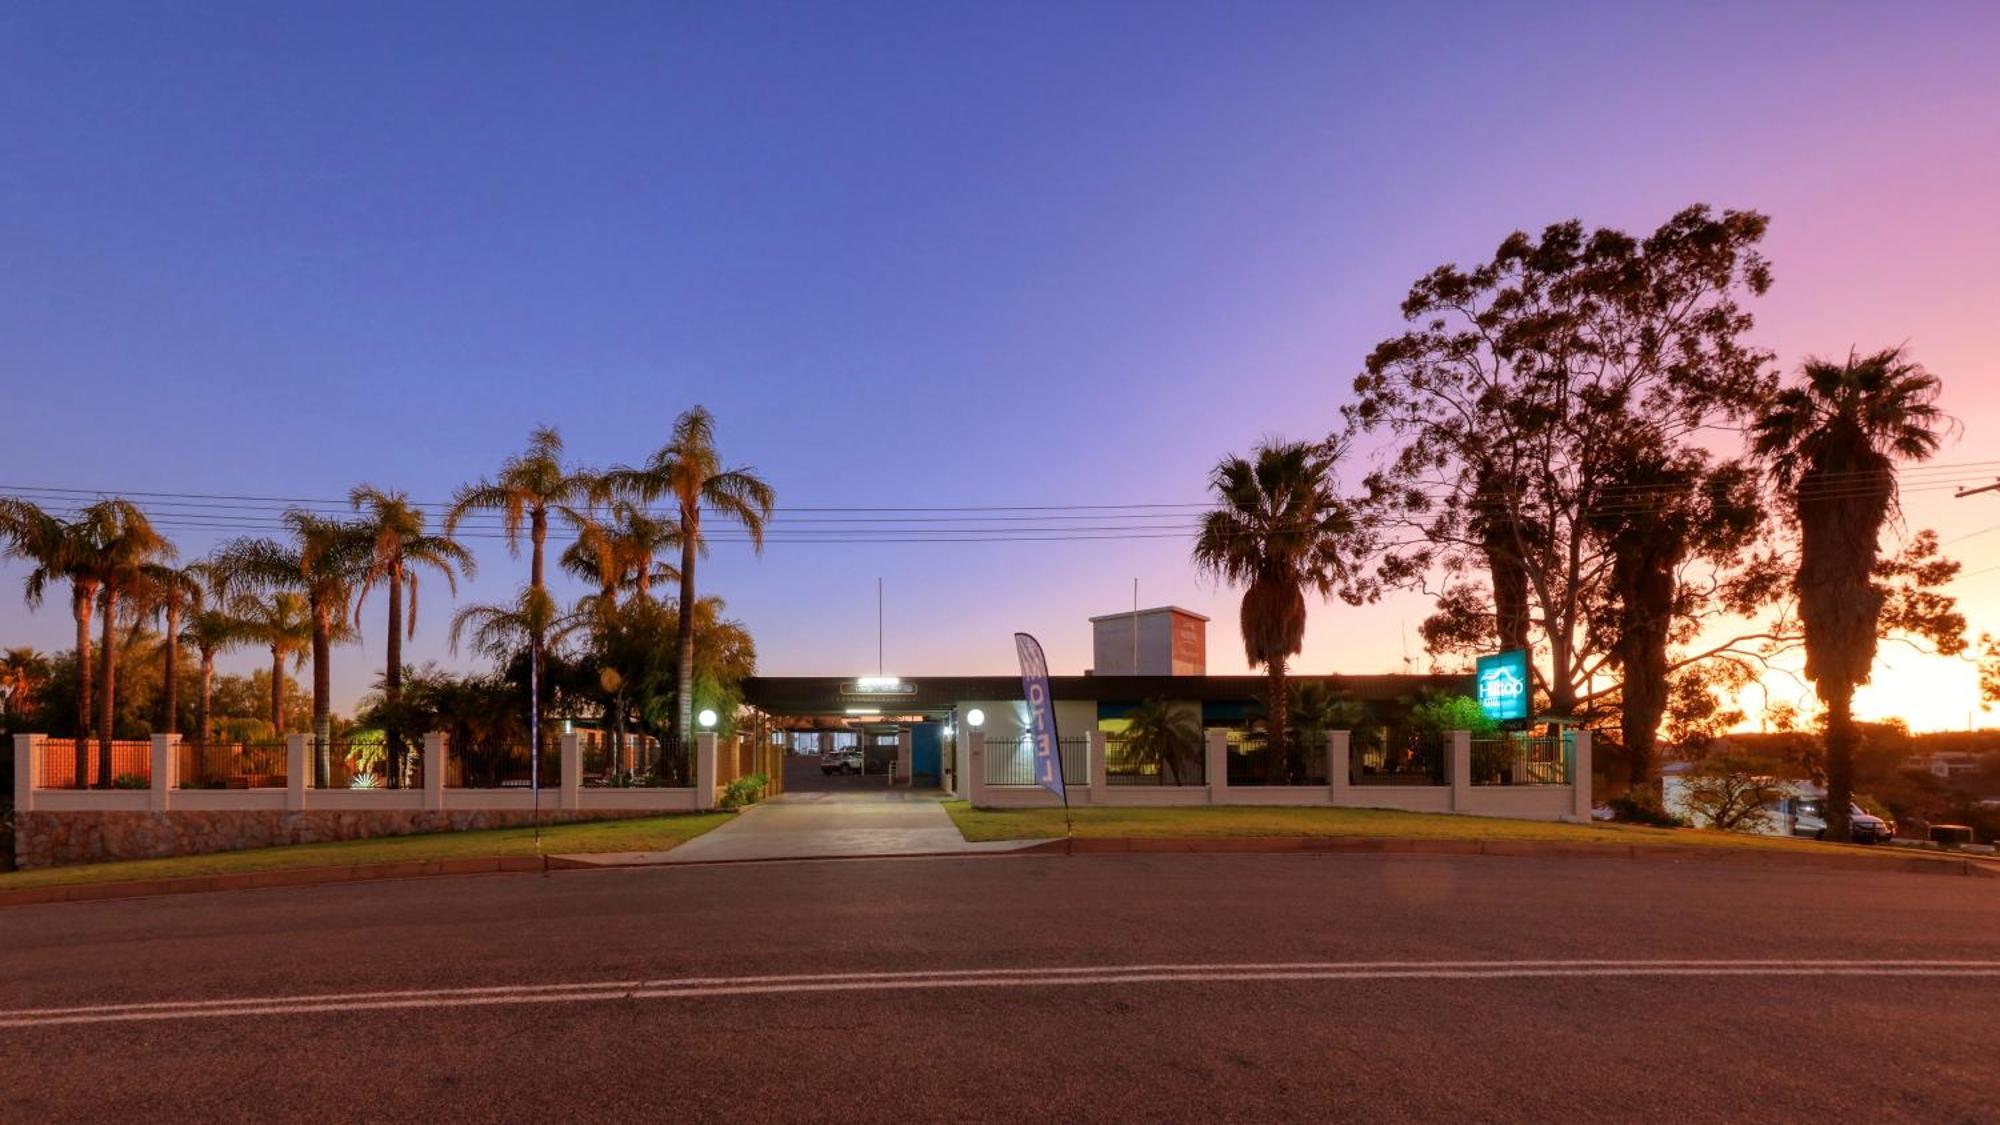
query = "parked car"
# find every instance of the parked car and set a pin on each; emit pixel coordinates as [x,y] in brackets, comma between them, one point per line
[1806,816]
[1798,810]
[840,761]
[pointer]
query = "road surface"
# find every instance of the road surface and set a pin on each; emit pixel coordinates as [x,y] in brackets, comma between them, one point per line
[1173,987]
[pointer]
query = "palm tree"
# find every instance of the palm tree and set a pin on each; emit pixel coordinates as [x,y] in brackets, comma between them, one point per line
[1833,441]
[129,561]
[1162,736]
[530,486]
[688,471]
[23,672]
[398,549]
[326,561]
[169,593]
[212,629]
[1279,530]
[281,621]
[60,550]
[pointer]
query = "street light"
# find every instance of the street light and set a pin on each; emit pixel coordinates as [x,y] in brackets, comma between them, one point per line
[706,719]
[975,718]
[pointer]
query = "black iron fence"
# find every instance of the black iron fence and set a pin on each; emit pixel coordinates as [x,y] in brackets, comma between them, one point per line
[231,765]
[1399,757]
[1012,761]
[1520,760]
[1126,765]
[1253,760]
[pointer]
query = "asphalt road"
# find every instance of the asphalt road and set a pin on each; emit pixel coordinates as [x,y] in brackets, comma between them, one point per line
[1436,1038]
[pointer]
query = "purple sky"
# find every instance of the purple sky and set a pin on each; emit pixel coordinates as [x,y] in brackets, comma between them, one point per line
[923,255]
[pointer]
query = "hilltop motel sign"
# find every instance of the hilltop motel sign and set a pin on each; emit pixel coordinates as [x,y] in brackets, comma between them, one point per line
[1503,686]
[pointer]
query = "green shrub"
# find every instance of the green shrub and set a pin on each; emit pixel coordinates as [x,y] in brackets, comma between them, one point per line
[130,781]
[1641,807]
[743,791]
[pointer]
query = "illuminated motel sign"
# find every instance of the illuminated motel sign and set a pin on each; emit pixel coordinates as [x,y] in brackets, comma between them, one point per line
[1503,686]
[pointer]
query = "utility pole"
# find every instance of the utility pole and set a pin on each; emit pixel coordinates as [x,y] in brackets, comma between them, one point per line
[1965,492]
[1135,626]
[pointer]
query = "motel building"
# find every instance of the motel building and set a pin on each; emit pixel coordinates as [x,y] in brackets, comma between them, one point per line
[968,735]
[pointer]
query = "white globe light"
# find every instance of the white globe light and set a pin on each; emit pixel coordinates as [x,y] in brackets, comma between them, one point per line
[706,718]
[975,718]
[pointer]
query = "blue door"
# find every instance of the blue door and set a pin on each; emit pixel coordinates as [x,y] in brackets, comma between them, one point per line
[926,751]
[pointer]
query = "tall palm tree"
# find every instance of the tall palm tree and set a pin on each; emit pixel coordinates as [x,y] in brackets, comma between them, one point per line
[531,486]
[688,471]
[326,561]
[398,549]
[1832,441]
[1279,530]
[169,593]
[213,628]
[281,621]
[60,550]
[130,560]
[23,672]
[621,551]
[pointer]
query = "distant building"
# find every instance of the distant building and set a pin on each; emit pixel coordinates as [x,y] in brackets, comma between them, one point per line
[1171,642]
[1946,764]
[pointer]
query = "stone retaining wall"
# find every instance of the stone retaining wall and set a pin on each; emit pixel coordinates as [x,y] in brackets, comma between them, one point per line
[53,839]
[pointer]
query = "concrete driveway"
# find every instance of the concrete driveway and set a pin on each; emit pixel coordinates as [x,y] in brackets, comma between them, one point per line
[877,821]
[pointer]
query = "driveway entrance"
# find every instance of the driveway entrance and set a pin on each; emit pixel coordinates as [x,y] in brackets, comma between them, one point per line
[868,820]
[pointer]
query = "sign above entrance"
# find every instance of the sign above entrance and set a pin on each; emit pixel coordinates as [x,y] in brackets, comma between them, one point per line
[878,686]
[1503,686]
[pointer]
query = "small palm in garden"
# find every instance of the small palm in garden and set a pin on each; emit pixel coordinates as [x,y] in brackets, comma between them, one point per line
[1162,739]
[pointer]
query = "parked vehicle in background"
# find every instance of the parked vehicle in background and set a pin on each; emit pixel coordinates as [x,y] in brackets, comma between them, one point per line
[1806,816]
[1795,808]
[846,760]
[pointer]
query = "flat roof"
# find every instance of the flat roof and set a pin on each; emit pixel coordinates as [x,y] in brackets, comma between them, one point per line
[1127,615]
[824,695]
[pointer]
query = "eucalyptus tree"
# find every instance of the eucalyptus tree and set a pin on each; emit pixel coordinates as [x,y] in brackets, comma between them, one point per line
[60,550]
[23,674]
[326,561]
[1514,405]
[688,472]
[399,549]
[1832,442]
[1279,530]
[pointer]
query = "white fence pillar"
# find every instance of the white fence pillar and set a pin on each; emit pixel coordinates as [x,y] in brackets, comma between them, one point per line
[704,770]
[1216,748]
[27,768]
[1099,771]
[165,759]
[572,770]
[975,763]
[1579,777]
[1460,770]
[434,770]
[1339,763]
[298,760]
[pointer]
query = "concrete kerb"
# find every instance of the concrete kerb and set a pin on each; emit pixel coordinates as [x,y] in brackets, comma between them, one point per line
[1520,849]
[1120,845]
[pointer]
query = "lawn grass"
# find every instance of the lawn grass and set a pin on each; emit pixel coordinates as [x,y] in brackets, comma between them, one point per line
[645,834]
[1247,820]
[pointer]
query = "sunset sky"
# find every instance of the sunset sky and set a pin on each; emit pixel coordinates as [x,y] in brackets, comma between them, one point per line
[921,256]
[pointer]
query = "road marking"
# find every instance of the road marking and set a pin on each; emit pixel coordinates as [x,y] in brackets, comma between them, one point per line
[941,979]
